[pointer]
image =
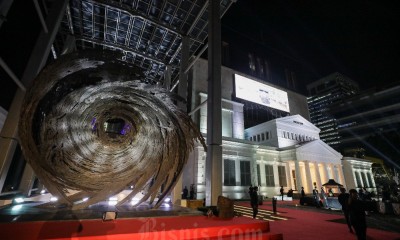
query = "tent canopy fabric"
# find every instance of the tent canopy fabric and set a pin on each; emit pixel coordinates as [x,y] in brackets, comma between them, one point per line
[332,182]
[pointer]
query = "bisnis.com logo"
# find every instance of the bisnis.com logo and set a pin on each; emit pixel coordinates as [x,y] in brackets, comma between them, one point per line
[157,230]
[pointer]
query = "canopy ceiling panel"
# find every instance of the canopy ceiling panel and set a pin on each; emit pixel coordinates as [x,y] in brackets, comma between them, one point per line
[148,32]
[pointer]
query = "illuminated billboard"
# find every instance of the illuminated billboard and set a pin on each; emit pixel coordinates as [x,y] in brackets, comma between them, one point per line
[263,94]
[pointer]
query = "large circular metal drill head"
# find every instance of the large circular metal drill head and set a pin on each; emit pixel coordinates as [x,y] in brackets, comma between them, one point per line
[90,127]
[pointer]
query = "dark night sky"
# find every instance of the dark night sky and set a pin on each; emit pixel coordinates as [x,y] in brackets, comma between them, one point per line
[357,38]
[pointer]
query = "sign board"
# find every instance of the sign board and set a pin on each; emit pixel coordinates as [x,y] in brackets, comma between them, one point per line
[260,93]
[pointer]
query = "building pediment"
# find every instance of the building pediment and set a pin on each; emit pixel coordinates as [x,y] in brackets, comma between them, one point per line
[297,121]
[318,151]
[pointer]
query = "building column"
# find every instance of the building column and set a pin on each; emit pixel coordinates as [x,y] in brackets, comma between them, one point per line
[298,175]
[365,184]
[325,169]
[288,175]
[309,186]
[318,175]
[276,175]
[366,179]
[357,181]
[332,170]
[253,171]
[214,107]
[357,173]
[372,179]
[341,176]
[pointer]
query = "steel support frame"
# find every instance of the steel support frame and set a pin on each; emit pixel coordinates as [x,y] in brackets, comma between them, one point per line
[182,92]
[214,123]
[36,62]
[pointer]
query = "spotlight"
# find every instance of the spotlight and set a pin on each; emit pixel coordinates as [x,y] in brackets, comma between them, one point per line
[109,216]
[16,208]
[19,200]
[53,199]
[167,200]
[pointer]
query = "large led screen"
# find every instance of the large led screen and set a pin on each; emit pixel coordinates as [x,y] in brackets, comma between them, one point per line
[257,92]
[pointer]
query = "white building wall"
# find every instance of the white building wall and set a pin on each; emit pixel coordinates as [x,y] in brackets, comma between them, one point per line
[232,118]
[356,166]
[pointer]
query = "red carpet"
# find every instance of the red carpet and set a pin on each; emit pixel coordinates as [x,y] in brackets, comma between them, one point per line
[187,227]
[300,225]
[303,225]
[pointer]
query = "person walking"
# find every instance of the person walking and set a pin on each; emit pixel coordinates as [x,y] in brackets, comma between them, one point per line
[357,215]
[343,199]
[254,201]
[281,191]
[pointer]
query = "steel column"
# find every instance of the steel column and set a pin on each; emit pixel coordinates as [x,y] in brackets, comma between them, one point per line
[214,123]
[182,91]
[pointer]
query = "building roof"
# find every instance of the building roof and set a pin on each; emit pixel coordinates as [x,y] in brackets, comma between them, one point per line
[148,33]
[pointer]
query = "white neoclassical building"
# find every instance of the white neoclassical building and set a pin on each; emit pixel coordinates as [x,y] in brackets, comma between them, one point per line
[286,151]
[283,152]
[359,173]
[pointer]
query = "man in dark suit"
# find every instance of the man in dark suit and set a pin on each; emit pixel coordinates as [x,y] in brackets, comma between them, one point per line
[357,215]
[343,199]
[254,201]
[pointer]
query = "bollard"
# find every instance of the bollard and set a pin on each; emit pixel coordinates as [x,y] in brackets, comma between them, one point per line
[274,205]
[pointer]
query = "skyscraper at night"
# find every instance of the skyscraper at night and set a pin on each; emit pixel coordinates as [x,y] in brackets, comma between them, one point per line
[322,94]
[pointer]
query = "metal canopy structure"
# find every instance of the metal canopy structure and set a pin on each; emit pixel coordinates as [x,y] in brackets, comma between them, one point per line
[161,37]
[148,33]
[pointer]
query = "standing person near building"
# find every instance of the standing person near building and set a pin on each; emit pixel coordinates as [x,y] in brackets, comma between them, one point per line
[191,193]
[343,199]
[281,190]
[316,197]
[185,193]
[254,201]
[361,194]
[250,192]
[357,215]
[302,196]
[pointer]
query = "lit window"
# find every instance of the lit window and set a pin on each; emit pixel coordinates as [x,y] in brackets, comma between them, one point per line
[229,173]
[269,175]
[245,177]
[282,176]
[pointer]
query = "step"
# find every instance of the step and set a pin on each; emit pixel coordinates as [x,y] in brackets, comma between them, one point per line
[183,227]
